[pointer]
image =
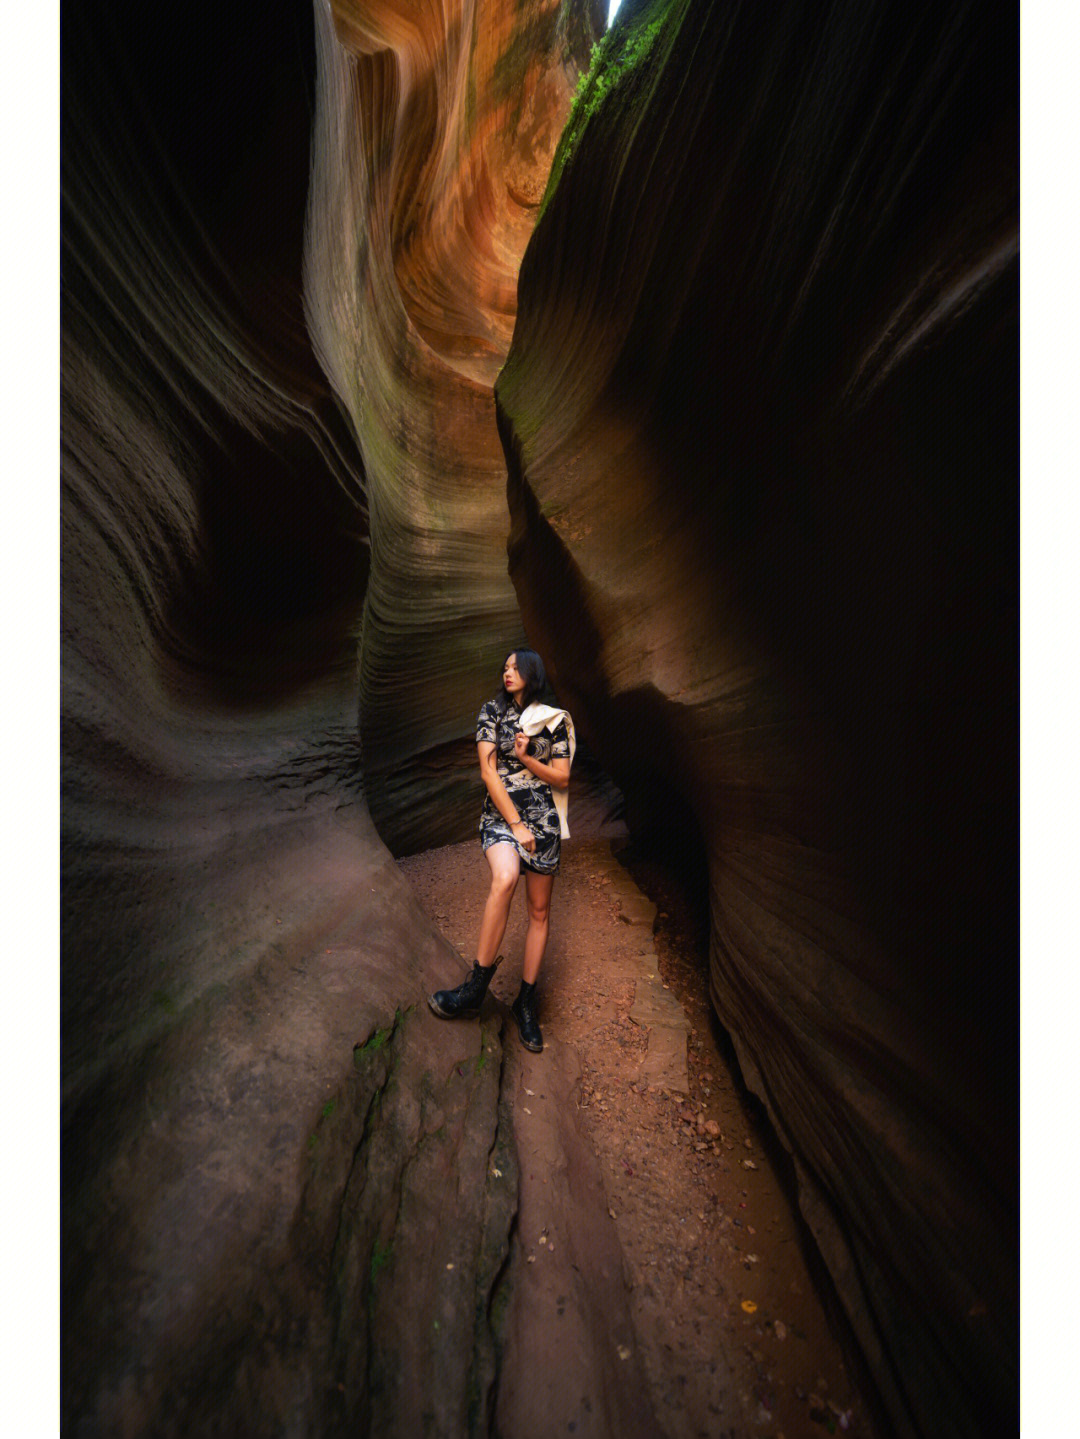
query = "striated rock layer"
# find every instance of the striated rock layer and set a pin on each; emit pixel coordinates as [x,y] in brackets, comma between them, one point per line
[247,1102]
[759,422]
[433,141]
[761,435]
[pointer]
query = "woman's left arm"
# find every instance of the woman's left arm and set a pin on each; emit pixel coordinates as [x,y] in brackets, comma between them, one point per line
[556,774]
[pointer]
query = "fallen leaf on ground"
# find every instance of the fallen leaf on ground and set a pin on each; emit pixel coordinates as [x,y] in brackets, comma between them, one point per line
[748,1306]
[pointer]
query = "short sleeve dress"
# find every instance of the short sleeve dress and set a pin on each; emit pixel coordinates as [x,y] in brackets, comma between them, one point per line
[531,796]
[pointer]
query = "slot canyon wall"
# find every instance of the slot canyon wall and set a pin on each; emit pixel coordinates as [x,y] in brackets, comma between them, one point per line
[753,450]
[290,247]
[762,444]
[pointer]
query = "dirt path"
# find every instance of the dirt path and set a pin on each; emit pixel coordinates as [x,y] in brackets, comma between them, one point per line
[726,1333]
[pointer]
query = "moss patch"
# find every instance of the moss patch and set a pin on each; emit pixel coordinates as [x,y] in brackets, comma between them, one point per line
[623,52]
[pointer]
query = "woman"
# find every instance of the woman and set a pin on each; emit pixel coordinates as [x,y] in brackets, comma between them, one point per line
[525,751]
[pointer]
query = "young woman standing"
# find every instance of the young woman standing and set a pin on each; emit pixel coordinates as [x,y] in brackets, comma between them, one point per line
[525,751]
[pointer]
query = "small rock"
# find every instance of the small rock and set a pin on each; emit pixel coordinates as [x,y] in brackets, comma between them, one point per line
[779,1329]
[746,1164]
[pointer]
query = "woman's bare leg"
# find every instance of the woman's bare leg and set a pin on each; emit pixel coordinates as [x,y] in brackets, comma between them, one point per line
[505,868]
[538,899]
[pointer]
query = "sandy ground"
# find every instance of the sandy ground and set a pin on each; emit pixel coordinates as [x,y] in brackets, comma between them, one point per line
[731,1330]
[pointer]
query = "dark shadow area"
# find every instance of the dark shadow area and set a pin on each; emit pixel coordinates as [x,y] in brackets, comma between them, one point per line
[668,864]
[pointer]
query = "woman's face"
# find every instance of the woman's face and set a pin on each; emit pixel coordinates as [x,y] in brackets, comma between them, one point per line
[512,681]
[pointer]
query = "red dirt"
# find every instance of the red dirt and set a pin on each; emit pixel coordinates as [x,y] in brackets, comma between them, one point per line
[731,1334]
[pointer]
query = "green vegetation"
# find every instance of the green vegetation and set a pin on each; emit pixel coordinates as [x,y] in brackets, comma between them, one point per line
[380,1038]
[380,1256]
[374,1041]
[622,52]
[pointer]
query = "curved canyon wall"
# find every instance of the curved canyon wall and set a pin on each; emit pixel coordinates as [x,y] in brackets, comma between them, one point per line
[758,417]
[289,266]
[761,436]
[433,142]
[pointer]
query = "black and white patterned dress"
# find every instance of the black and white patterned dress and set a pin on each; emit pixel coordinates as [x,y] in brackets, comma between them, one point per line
[530,796]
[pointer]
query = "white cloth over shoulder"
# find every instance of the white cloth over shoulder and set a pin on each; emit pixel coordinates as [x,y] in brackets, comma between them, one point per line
[535,718]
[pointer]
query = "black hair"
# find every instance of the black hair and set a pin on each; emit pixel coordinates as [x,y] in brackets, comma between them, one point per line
[531,669]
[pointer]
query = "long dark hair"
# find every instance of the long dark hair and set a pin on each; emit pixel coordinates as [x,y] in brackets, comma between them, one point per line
[531,669]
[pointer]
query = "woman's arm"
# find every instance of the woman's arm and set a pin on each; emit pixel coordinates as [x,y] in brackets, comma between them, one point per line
[499,797]
[556,774]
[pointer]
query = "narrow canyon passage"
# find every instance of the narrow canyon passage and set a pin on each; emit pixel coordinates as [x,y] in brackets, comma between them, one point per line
[713,1305]
[396,336]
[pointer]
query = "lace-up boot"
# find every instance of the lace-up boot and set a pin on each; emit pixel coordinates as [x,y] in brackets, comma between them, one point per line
[524,1011]
[468,997]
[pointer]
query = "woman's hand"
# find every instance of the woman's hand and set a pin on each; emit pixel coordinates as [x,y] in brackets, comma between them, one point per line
[529,840]
[556,773]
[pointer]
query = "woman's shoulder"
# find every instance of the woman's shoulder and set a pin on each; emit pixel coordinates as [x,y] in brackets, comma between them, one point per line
[489,710]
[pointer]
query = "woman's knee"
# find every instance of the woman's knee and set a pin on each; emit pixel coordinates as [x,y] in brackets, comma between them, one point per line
[539,908]
[504,877]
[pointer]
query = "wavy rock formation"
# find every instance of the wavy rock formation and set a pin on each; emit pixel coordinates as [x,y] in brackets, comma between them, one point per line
[258,504]
[759,422]
[761,434]
[433,141]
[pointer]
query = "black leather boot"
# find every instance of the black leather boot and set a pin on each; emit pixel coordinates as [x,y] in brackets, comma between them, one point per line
[524,1011]
[468,997]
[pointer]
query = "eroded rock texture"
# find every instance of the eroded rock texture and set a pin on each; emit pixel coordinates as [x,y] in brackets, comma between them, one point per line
[759,423]
[434,137]
[761,432]
[253,535]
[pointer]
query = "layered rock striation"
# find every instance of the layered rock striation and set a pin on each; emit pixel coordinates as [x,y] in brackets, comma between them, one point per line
[756,429]
[761,438]
[241,560]
[433,141]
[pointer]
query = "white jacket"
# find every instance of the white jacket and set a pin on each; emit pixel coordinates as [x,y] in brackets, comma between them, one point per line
[535,718]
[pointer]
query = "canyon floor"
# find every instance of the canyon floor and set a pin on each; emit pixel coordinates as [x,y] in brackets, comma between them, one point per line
[731,1329]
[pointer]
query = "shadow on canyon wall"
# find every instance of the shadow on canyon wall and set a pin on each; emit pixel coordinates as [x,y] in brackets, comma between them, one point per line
[752,455]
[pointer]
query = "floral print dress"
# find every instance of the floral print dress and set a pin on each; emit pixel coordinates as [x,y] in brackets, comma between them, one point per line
[530,796]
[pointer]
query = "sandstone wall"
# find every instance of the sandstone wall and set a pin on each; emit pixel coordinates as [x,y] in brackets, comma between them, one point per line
[761,435]
[257,549]
[753,448]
